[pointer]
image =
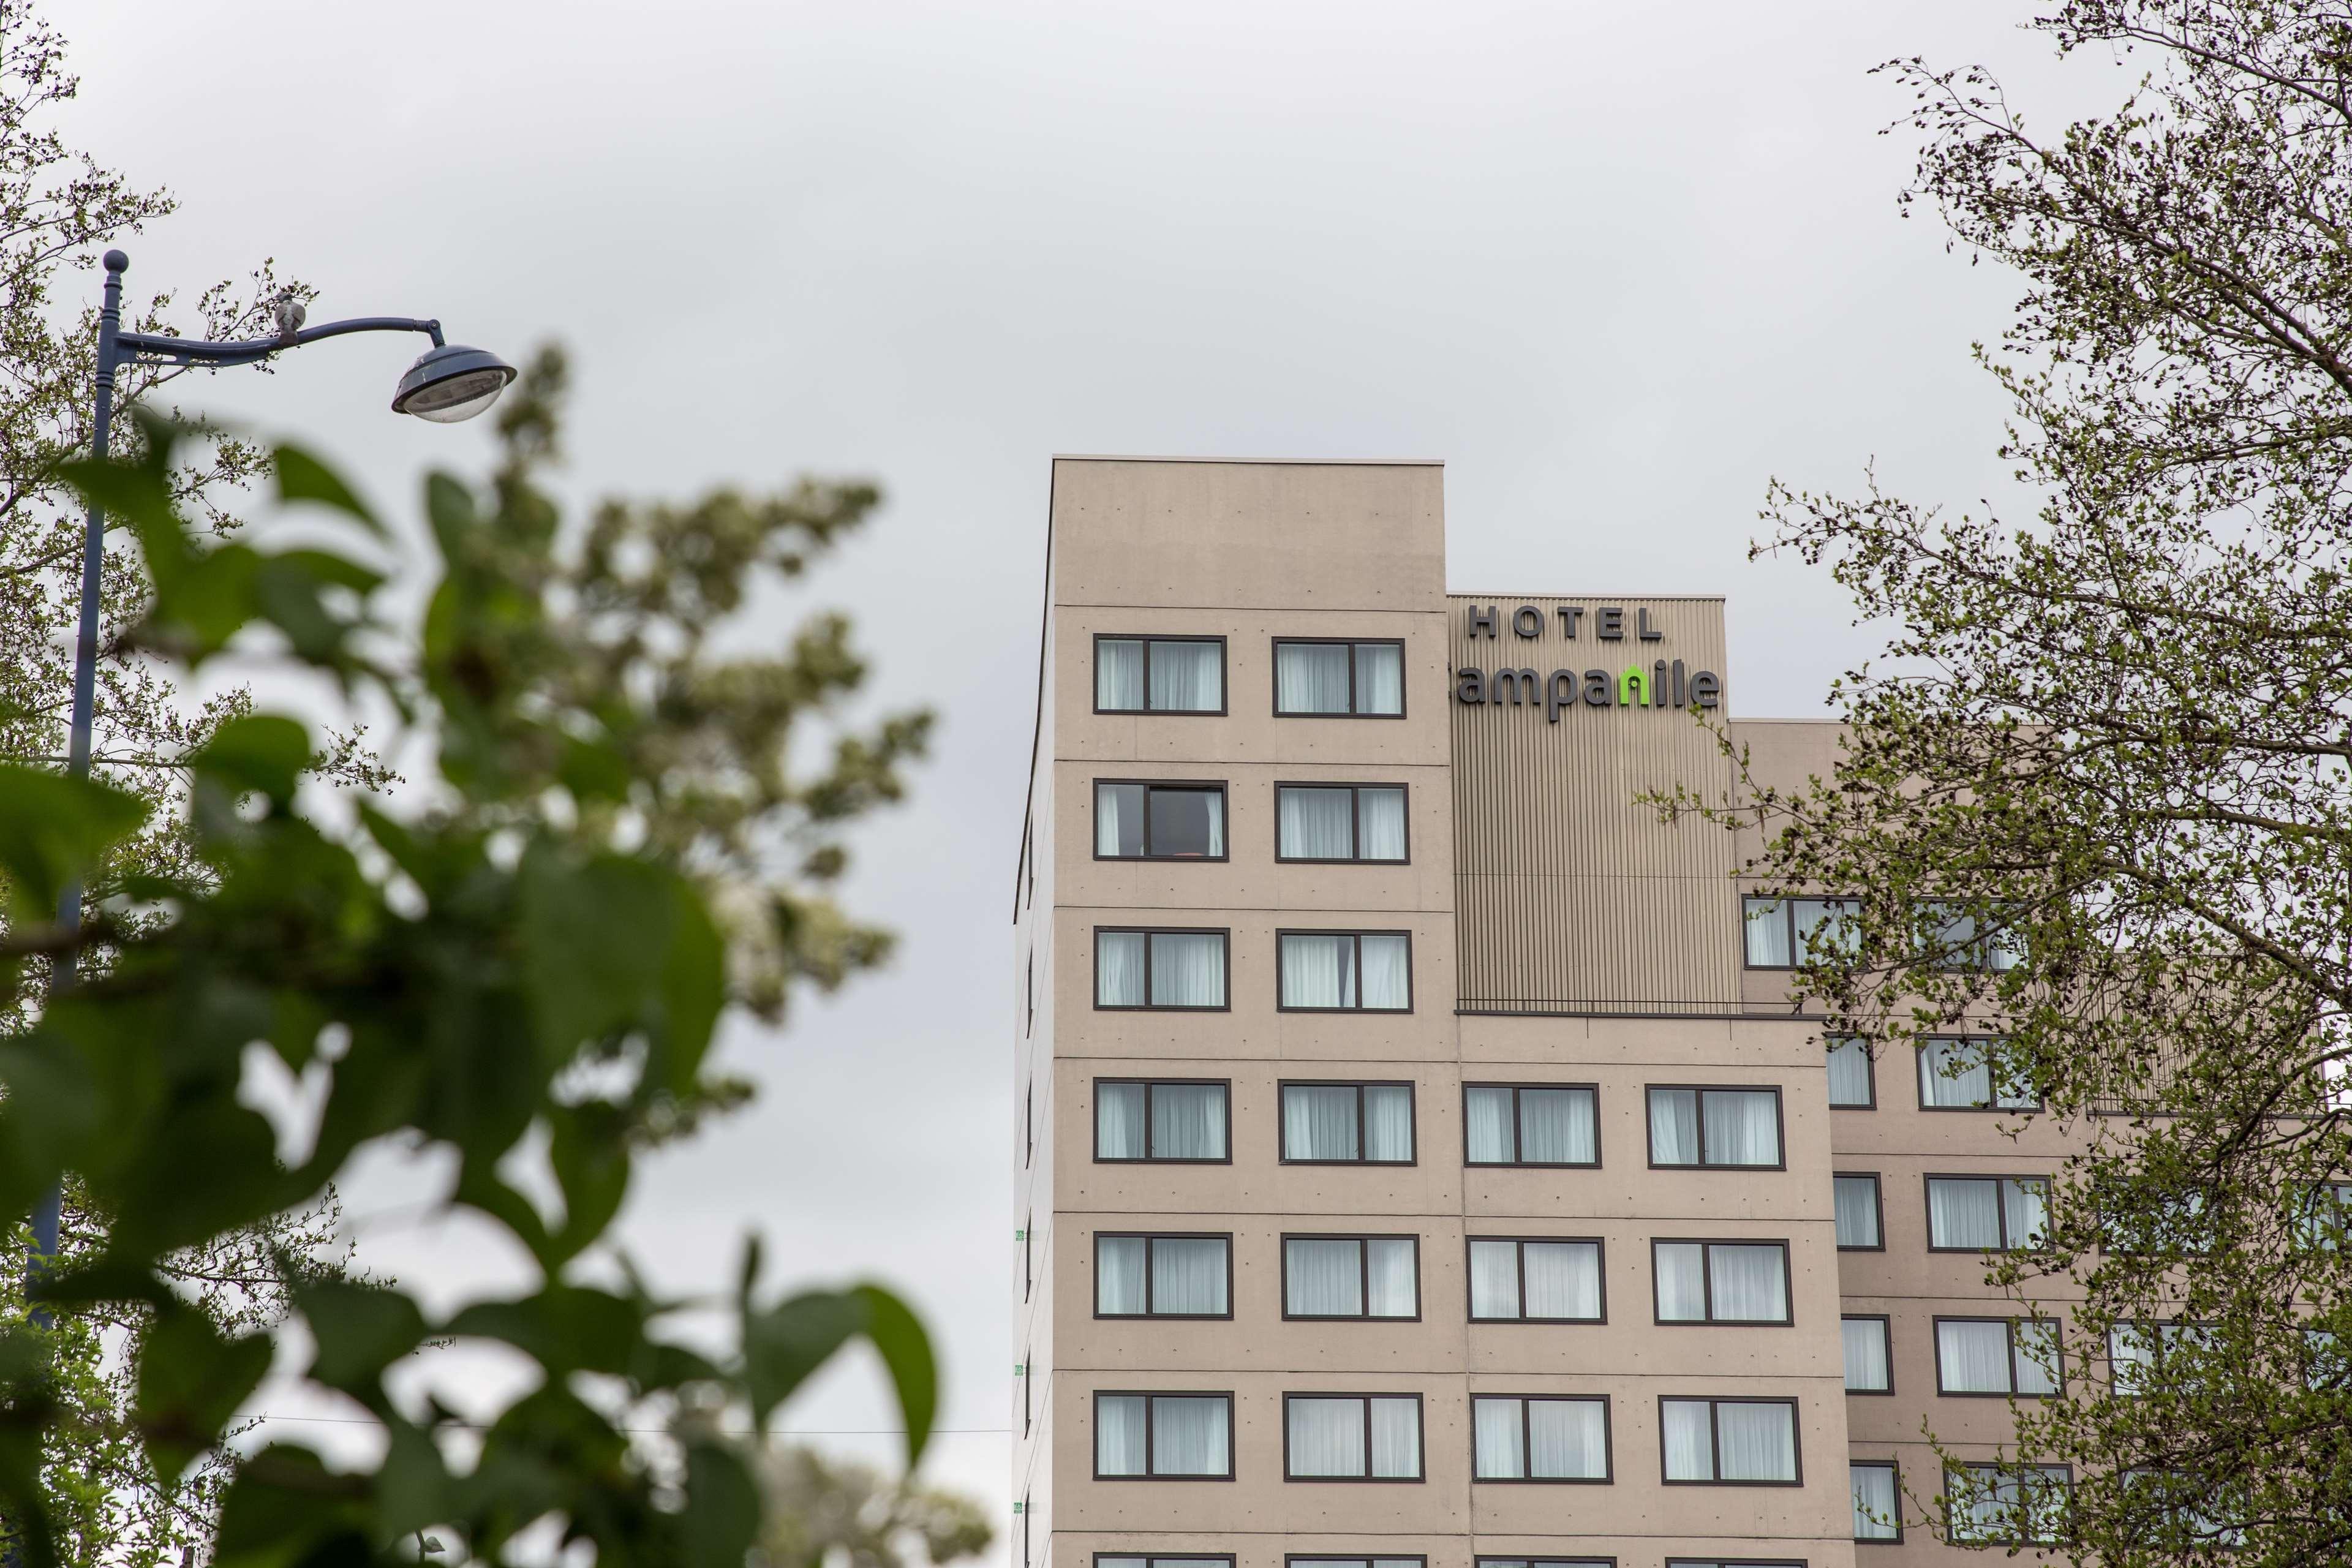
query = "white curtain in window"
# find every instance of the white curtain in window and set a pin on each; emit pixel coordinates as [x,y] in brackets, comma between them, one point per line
[2024,1206]
[1500,1452]
[1875,1515]
[1682,1281]
[1317,823]
[1848,1072]
[2132,1349]
[1673,1126]
[1119,969]
[1188,677]
[1821,928]
[1752,1284]
[1189,1437]
[1494,1278]
[1325,1277]
[1964,1214]
[1119,675]
[1567,1440]
[2037,1357]
[1389,1263]
[1188,1274]
[1380,678]
[1387,1121]
[1187,969]
[1319,971]
[1952,1075]
[1857,1211]
[1188,1121]
[1380,821]
[1757,1442]
[1118,1120]
[1866,1355]
[1118,1274]
[1690,1444]
[1118,819]
[1555,1126]
[1767,934]
[1310,678]
[1319,1121]
[1743,1127]
[1327,1437]
[1973,1358]
[1126,1563]
[1388,972]
[1119,1434]
[1564,1278]
[1487,1132]
[1396,1439]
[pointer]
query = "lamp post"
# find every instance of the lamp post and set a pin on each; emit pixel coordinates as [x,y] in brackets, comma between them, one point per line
[449,383]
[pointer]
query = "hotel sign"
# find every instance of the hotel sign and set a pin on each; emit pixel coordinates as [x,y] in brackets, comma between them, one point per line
[1656,682]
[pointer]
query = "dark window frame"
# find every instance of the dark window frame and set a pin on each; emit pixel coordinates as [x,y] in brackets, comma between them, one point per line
[1885,1323]
[1404,694]
[1028,1273]
[1896,1467]
[1225,675]
[1707,1274]
[1714,1438]
[1737,1562]
[1148,1085]
[1154,1559]
[1927,1208]
[1223,933]
[1413,1109]
[1026,1357]
[1877,1204]
[1333,1558]
[1936,1330]
[1990,1108]
[1870,1070]
[1150,1439]
[1997,1465]
[1356,934]
[1780,1123]
[1363,1272]
[1148,1237]
[1600,1260]
[1788,903]
[1526,1440]
[1419,1447]
[1217,788]
[1591,1090]
[1355,820]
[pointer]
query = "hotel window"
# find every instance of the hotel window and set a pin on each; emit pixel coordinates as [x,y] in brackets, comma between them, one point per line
[1164,1437]
[1177,1121]
[1729,1442]
[1028,1276]
[1345,971]
[2005,1505]
[1546,1563]
[1165,969]
[1341,823]
[1737,1129]
[2325,1365]
[2327,1217]
[2136,1353]
[1160,675]
[1355,1563]
[1350,1438]
[1338,679]
[1339,1277]
[1783,933]
[1853,1085]
[1530,1124]
[1969,1075]
[1721,1282]
[1869,1369]
[1986,1214]
[2172,1225]
[1181,1560]
[1158,822]
[1525,1280]
[1025,1393]
[2180,1508]
[1347,1125]
[1948,933]
[1877,1500]
[1533,1439]
[1856,1200]
[1733,1562]
[1163,1276]
[2000,1356]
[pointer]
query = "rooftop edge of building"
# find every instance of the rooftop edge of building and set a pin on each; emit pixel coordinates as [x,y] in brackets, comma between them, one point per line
[1274,462]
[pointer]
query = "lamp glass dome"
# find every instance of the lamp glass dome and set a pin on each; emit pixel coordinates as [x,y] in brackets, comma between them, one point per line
[452,382]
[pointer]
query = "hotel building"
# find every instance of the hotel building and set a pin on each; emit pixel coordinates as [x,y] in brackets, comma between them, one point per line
[1419,1163]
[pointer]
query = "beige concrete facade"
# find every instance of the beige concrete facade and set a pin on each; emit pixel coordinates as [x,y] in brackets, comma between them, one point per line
[1559,936]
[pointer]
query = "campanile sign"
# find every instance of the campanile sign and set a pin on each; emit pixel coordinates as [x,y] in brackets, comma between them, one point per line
[1652,680]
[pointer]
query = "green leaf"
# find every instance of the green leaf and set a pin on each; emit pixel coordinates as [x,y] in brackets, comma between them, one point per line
[784,1344]
[286,1509]
[263,753]
[359,1331]
[53,830]
[722,1507]
[564,1328]
[303,477]
[589,1154]
[191,1380]
[905,1351]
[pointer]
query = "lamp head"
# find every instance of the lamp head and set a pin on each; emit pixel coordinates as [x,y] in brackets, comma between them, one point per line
[452,382]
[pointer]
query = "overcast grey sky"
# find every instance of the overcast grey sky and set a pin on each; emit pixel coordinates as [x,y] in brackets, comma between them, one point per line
[1616,265]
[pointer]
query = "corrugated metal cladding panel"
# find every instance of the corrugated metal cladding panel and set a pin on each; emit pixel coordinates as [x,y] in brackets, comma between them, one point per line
[1570,896]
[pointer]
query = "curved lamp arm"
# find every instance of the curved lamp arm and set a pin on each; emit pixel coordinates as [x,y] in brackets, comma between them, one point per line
[159,348]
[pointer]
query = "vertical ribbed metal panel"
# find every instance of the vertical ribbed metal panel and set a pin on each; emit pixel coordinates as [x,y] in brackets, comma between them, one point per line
[1569,896]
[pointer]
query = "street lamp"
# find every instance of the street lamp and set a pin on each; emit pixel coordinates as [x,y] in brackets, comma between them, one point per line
[449,383]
